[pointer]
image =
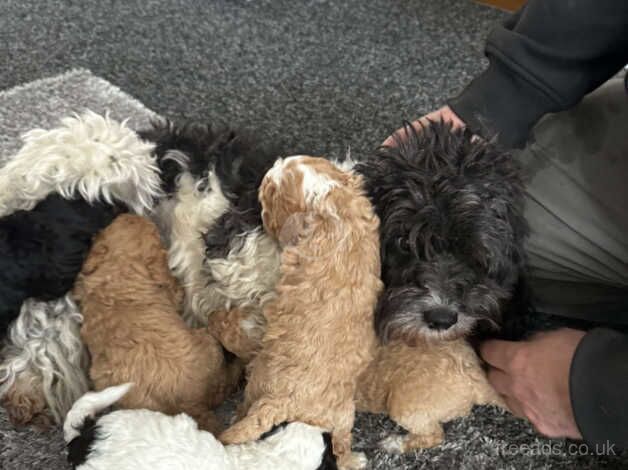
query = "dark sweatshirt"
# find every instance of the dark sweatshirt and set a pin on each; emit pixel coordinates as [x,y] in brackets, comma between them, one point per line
[544,59]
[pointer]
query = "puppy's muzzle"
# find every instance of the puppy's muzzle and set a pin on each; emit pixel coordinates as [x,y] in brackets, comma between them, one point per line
[440,318]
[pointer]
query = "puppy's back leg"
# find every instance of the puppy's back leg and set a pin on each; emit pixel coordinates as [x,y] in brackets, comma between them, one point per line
[206,419]
[347,460]
[422,421]
[342,424]
[261,417]
[227,327]
[399,444]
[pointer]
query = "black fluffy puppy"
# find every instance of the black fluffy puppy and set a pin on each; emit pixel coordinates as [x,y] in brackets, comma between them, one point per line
[42,250]
[452,232]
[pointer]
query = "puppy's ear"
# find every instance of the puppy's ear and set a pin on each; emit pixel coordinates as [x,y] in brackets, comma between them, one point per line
[94,259]
[294,228]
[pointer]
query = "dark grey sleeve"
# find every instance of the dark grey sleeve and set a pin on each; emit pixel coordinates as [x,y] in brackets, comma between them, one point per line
[598,385]
[544,59]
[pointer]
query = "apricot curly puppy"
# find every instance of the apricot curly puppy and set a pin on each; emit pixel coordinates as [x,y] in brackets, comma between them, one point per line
[319,335]
[134,332]
[422,386]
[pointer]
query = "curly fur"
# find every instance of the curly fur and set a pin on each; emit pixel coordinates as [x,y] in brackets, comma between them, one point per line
[213,219]
[452,232]
[319,335]
[42,250]
[142,439]
[422,387]
[133,330]
[90,156]
[44,363]
[190,147]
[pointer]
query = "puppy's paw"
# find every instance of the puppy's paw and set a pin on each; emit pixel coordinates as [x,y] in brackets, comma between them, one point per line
[354,461]
[394,444]
[400,444]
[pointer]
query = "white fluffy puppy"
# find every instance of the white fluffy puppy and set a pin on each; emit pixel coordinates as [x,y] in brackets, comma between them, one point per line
[44,363]
[91,156]
[142,439]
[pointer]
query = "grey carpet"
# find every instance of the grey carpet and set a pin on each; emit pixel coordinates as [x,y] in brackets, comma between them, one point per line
[316,76]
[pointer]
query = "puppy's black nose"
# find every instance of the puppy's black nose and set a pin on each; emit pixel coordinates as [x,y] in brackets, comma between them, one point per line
[440,318]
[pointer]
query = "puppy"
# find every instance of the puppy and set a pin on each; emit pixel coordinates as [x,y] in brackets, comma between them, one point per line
[319,336]
[452,232]
[90,156]
[42,250]
[44,363]
[142,439]
[418,387]
[212,220]
[422,387]
[132,328]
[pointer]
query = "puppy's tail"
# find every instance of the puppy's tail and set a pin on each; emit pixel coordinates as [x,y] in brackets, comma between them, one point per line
[90,404]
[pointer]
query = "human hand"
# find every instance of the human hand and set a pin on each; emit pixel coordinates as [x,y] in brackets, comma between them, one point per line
[445,114]
[533,379]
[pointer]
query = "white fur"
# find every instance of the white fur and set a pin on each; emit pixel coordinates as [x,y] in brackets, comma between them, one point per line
[244,278]
[393,444]
[276,171]
[347,164]
[89,405]
[89,155]
[44,347]
[187,216]
[315,185]
[148,440]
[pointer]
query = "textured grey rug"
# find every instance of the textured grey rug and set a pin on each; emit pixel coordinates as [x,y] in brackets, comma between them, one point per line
[486,439]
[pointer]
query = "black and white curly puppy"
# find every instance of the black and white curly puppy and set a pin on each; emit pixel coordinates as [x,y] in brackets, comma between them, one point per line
[212,218]
[452,232]
[42,250]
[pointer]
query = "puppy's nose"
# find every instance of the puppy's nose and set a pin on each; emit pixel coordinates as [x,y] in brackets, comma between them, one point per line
[440,318]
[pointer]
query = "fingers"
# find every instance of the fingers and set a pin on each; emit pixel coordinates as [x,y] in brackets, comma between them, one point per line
[500,354]
[444,114]
[400,134]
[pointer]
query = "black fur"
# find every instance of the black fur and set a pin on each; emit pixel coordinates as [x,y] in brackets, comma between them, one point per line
[240,169]
[274,430]
[42,250]
[329,459]
[452,230]
[196,141]
[239,161]
[80,447]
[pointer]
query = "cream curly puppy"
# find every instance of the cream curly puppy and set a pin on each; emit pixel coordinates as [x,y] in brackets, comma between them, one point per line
[319,329]
[132,327]
[422,386]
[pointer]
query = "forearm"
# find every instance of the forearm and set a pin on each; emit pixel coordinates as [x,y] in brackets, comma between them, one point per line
[544,59]
[599,387]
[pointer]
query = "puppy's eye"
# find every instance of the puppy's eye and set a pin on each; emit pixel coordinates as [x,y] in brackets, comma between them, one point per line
[403,245]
